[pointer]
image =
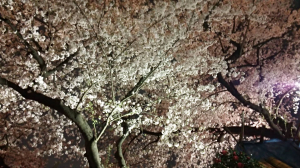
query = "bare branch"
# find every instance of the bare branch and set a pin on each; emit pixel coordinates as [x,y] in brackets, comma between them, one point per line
[158,134]
[237,53]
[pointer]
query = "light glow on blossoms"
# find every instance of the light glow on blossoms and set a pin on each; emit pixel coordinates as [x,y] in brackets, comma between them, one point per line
[140,79]
[297,84]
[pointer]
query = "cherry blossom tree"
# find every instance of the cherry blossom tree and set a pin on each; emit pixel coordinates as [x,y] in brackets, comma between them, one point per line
[143,82]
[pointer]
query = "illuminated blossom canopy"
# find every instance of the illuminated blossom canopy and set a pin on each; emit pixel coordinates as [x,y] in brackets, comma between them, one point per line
[140,82]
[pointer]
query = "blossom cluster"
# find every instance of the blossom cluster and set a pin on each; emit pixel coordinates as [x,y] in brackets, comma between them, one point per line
[99,52]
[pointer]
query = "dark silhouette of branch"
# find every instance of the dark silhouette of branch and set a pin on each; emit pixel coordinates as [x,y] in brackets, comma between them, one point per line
[158,134]
[34,52]
[237,53]
[239,46]
[247,103]
[205,24]
[259,45]
[251,131]
[151,133]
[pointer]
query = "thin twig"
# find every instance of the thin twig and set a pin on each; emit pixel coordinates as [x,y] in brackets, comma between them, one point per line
[138,36]
[80,100]
[112,84]
[81,11]
[60,66]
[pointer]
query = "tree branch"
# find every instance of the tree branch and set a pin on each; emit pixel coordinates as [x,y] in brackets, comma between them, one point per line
[237,53]
[251,131]
[128,95]
[138,36]
[60,66]
[57,104]
[120,156]
[37,45]
[34,53]
[260,44]
[82,96]
[140,83]
[283,96]
[247,103]
[158,134]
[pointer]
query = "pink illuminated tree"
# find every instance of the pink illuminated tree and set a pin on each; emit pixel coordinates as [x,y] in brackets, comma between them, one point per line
[143,82]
